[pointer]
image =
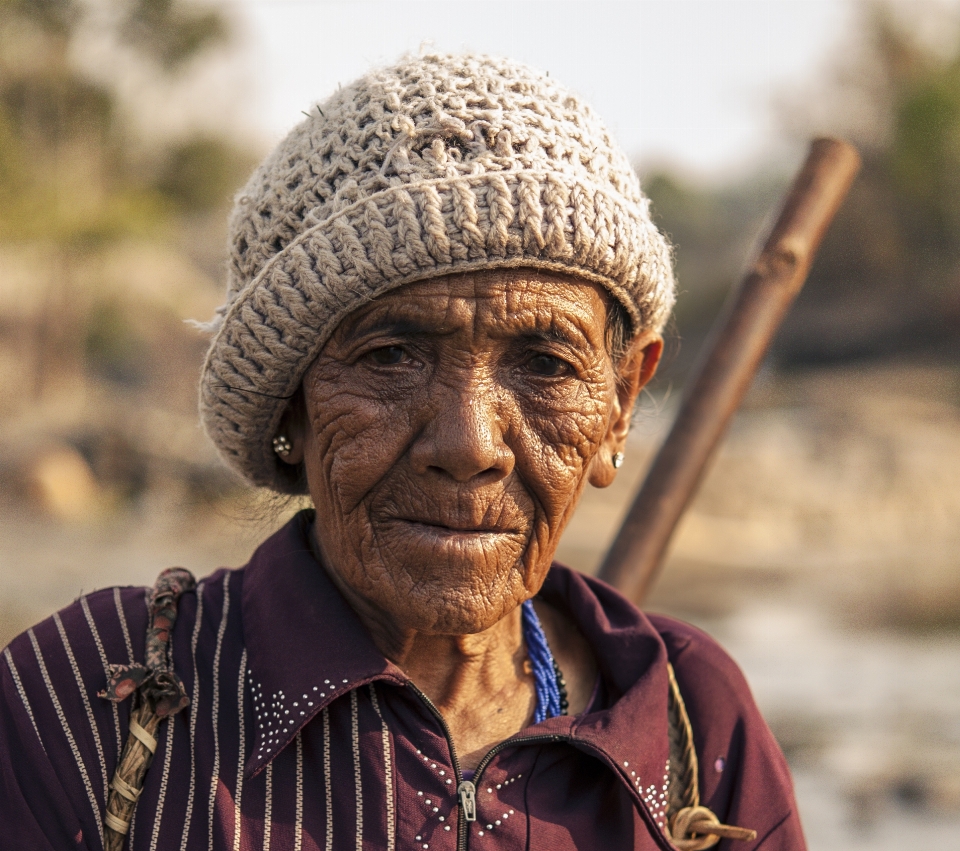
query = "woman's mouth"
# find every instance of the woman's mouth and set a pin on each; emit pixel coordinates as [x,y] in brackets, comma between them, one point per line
[456,529]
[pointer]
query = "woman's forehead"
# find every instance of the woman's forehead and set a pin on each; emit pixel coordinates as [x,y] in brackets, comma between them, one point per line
[502,299]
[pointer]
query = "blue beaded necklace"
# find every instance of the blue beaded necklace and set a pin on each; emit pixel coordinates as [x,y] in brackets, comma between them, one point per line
[550,685]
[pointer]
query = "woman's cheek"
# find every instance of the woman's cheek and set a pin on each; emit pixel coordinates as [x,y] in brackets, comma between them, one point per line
[571,436]
[568,442]
[357,443]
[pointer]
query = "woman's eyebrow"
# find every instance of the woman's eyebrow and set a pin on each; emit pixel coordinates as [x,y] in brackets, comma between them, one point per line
[566,334]
[394,326]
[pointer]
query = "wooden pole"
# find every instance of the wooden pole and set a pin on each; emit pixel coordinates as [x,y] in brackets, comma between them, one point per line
[730,358]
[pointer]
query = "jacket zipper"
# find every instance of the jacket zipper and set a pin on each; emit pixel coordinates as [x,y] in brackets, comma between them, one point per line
[468,797]
[467,792]
[467,789]
[461,822]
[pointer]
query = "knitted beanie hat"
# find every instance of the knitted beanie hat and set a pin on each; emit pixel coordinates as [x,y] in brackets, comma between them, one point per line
[439,164]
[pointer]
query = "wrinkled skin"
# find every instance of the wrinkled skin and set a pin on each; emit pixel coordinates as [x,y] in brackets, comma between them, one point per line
[447,430]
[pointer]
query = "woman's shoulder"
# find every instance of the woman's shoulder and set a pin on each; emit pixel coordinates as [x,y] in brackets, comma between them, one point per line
[105,626]
[109,623]
[62,662]
[742,768]
[604,614]
[699,660]
[743,775]
[59,738]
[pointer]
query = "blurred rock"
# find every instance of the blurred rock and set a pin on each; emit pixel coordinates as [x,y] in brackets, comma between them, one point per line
[62,484]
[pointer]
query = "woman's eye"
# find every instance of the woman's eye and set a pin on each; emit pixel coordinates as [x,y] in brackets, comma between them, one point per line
[388,355]
[548,365]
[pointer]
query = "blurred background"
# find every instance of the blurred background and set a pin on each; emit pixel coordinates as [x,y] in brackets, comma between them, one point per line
[823,548]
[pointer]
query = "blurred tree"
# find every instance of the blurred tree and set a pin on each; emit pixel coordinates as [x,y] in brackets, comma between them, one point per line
[887,280]
[170,31]
[76,173]
[72,164]
[198,172]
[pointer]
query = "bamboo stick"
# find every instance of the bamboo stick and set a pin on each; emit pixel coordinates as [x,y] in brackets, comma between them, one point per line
[730,358]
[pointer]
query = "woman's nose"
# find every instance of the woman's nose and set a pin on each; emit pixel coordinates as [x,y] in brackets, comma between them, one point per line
[464,437]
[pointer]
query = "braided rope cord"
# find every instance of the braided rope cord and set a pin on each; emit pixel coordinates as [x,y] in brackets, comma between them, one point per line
[691,827]
[158,694]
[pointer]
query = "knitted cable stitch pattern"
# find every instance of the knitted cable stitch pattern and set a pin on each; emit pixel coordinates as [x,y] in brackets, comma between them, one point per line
[439,164]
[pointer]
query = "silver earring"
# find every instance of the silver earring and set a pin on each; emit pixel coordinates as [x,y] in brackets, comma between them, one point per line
[617,460]
[282,445]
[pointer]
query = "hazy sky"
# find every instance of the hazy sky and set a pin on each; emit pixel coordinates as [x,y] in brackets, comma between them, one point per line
[687,81]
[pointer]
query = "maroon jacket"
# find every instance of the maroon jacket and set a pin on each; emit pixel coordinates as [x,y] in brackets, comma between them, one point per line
[300,735]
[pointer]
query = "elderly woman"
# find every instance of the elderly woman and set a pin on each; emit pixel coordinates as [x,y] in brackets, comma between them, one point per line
[445,294]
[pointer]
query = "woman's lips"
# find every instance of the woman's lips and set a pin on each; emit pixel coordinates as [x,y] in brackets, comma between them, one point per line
[454,529]
[457,528]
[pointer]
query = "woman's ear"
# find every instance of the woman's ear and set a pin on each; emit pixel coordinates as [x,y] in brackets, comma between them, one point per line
[293,425]
[635,369]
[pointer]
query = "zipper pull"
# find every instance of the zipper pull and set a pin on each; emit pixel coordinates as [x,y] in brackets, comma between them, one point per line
[468,800]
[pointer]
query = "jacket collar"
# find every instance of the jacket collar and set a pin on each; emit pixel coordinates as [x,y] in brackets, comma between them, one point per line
[306,647]
[632,736]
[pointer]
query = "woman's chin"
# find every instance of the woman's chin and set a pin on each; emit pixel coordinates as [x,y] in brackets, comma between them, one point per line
[463,620]
[448,603]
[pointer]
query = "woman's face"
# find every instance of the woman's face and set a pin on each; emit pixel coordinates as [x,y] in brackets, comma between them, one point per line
[449,429]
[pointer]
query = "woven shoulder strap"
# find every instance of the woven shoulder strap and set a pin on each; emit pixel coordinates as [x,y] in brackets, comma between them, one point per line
[691,827]
[157,694]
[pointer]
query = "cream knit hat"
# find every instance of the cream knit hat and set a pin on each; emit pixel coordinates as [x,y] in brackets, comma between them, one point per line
[436,165]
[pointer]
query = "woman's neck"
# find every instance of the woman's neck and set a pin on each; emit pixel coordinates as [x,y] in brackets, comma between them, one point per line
[479,683]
